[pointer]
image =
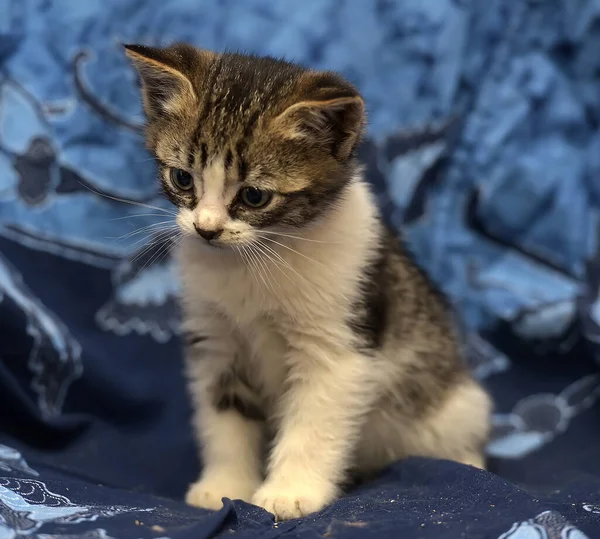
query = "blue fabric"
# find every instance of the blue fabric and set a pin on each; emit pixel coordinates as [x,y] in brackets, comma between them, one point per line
[483,146]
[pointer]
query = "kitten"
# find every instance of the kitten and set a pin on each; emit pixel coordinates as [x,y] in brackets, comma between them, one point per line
[312,337]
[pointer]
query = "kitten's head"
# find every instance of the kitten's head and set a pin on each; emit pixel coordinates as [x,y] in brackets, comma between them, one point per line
[244,143]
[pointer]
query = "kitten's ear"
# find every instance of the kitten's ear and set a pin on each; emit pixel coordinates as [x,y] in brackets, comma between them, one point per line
[332,116]
[165,75]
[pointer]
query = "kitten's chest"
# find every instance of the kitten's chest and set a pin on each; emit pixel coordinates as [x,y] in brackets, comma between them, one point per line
[265,357]
[262,324]
[248,297]
[233,290]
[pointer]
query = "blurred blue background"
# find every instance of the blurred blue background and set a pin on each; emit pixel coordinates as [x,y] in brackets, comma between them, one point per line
[483,148]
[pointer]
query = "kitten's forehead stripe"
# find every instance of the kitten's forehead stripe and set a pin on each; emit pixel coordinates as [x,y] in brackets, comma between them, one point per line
[242,169]
[252,121]
[203,154]
[228,159]
[237,90]
[212,77]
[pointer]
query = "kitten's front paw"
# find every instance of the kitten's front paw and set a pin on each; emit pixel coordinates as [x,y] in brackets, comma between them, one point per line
[209,492]
[293,500]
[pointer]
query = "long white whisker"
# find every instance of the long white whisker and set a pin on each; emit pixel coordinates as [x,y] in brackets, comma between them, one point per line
[302,255]
[149,235]
[239,252]
[155,257]
[165,224]
[265,264]
[176,240]
[144,250]
[245,261]
[252,263]
[165,250]
[153,232]
[301,238]
[282,262]
[281,266]
[132,202]
[255,257]
[294,251]
[274,252]
[137,215]
[142,229]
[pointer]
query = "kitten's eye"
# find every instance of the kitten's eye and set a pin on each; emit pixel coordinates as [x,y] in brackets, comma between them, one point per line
[182,179]
[255,198]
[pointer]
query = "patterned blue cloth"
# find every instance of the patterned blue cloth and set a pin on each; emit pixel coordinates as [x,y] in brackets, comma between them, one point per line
[483,147]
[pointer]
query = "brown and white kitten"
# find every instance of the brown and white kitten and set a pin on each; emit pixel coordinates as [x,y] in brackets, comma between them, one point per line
[316,348]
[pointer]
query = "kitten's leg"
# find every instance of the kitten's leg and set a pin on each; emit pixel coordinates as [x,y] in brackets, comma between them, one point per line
[231,453]
[226,422]
[322,413]
[457,428]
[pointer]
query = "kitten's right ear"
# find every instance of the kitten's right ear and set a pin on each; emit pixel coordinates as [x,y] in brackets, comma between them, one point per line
[165,75]
[328,111]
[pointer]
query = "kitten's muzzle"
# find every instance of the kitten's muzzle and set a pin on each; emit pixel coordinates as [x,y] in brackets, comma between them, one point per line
[208,234]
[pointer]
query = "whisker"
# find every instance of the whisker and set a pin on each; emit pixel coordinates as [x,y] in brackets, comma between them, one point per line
[137,215]
[265,265]
[144,238]
[275,253]
[165,248]
[178,241]
[283,261]
[253,255]
[302,238]
[303,256]
[132,202]
[142,229]
[147,238]
[281,267]
[146,246]
[165,251]
[167,224]
[244,258]
[174,243]
[237,250]
[294,251]
[253,270]
[144,250]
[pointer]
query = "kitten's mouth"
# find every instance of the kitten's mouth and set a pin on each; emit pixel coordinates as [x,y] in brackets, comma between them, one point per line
[214,244]
[218,245]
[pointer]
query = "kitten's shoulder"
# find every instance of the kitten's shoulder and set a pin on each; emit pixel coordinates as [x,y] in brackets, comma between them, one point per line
[405,273]
[414,305]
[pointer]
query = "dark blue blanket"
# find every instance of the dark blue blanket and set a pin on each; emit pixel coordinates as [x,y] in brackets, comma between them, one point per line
[483,146]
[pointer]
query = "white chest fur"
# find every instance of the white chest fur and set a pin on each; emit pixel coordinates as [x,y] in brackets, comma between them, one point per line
[302,285]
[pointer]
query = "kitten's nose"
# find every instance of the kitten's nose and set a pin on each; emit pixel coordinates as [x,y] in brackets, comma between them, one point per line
[208,234]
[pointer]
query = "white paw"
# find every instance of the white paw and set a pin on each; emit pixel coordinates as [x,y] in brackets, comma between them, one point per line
[209,492]
[293,500]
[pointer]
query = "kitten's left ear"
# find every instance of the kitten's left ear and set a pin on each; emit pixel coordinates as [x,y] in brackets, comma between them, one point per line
[165,74]
[332,116]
